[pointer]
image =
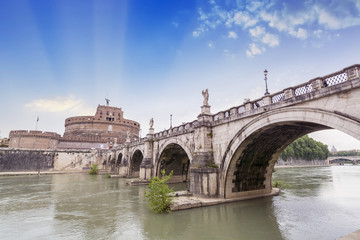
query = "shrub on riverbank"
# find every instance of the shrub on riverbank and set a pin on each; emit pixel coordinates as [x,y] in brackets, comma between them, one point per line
[158,194]
[94,169]
[279,184]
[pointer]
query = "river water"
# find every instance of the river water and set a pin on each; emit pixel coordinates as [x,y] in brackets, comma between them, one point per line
[319,203]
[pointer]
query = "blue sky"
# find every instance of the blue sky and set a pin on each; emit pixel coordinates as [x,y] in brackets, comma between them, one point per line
[152,58]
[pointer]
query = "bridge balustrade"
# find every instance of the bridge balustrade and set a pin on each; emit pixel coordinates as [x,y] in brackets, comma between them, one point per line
[278,97]
[258,103]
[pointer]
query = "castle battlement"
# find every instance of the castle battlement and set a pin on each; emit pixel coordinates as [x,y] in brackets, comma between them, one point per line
[34,133]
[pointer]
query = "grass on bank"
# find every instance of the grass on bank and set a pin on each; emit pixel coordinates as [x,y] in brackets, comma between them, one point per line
[94,170]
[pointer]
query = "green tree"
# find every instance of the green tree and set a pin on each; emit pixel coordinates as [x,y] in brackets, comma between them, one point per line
[305,148]
[158,194]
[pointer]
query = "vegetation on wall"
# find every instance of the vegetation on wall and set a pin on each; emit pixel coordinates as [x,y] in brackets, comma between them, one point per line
[305,148]
[158,194]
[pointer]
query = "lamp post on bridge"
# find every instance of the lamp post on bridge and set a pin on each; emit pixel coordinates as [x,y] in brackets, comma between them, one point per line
[267,91]
[170,120]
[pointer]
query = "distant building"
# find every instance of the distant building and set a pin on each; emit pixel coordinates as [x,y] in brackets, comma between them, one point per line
[105,128]
[333,150]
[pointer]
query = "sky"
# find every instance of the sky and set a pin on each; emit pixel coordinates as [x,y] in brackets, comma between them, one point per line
[152,58]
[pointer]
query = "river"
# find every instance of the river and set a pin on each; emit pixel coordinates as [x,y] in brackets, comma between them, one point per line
[319,203]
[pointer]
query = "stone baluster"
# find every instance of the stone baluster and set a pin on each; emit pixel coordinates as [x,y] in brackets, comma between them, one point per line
[352,72]
[289,93]
[317,83]
[233,111]
[221,115]
[248,105]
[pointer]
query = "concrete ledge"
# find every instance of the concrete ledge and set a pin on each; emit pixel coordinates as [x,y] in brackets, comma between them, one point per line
[185,202]
[116,176]
[137,182]
[41,173]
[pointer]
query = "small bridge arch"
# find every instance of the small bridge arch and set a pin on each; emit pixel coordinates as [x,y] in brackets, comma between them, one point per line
[174,155]
[136,159]
[249,160]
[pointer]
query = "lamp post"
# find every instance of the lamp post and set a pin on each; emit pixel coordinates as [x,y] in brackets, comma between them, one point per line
[265,73]
[170,120]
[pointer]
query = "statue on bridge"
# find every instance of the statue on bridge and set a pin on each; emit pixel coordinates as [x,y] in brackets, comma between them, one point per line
[206,97]
[151,123]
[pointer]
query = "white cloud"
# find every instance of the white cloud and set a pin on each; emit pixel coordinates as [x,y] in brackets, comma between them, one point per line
[267,22]
[60,104]
[212,2]
[243,19]
[257,31]
[318,33]
[175,24]
[229,54]
[196,33]
[270,39]
[254,5]
[232,35]
[300,33]
[254,50]
[211,45]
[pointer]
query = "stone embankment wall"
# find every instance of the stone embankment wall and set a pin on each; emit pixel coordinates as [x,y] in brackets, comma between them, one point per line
[57,160]
[26,160]
[301,162]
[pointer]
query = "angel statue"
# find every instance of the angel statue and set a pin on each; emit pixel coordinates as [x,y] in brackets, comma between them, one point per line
[151,123]
[206,97]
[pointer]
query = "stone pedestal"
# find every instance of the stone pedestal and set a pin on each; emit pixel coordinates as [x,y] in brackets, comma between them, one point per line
[205,109]
[151,131]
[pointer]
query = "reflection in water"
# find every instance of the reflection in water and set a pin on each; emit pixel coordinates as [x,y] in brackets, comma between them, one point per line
[322,203]
[242,220]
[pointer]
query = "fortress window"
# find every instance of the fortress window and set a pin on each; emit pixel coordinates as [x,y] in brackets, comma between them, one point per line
[107,113]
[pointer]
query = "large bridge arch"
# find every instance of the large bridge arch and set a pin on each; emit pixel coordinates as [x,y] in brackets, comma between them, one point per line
[248,162]
[174,155]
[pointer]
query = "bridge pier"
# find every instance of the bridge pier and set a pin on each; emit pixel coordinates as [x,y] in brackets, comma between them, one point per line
[146,167]
[204,173]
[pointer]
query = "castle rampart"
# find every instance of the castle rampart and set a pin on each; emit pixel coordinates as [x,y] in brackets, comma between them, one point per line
[33,139]
[107,126]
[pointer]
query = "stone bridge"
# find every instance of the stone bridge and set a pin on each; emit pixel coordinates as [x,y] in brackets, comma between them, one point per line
[342,159]
[232,153]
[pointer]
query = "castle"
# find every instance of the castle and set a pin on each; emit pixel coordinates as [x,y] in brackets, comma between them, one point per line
[105,128]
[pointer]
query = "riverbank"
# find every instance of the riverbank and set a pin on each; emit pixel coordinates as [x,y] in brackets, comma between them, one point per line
[301,166]
[41,173]
[352,236]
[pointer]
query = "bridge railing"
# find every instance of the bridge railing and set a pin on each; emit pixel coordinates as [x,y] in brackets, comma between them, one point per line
[298,90]
[183,128]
